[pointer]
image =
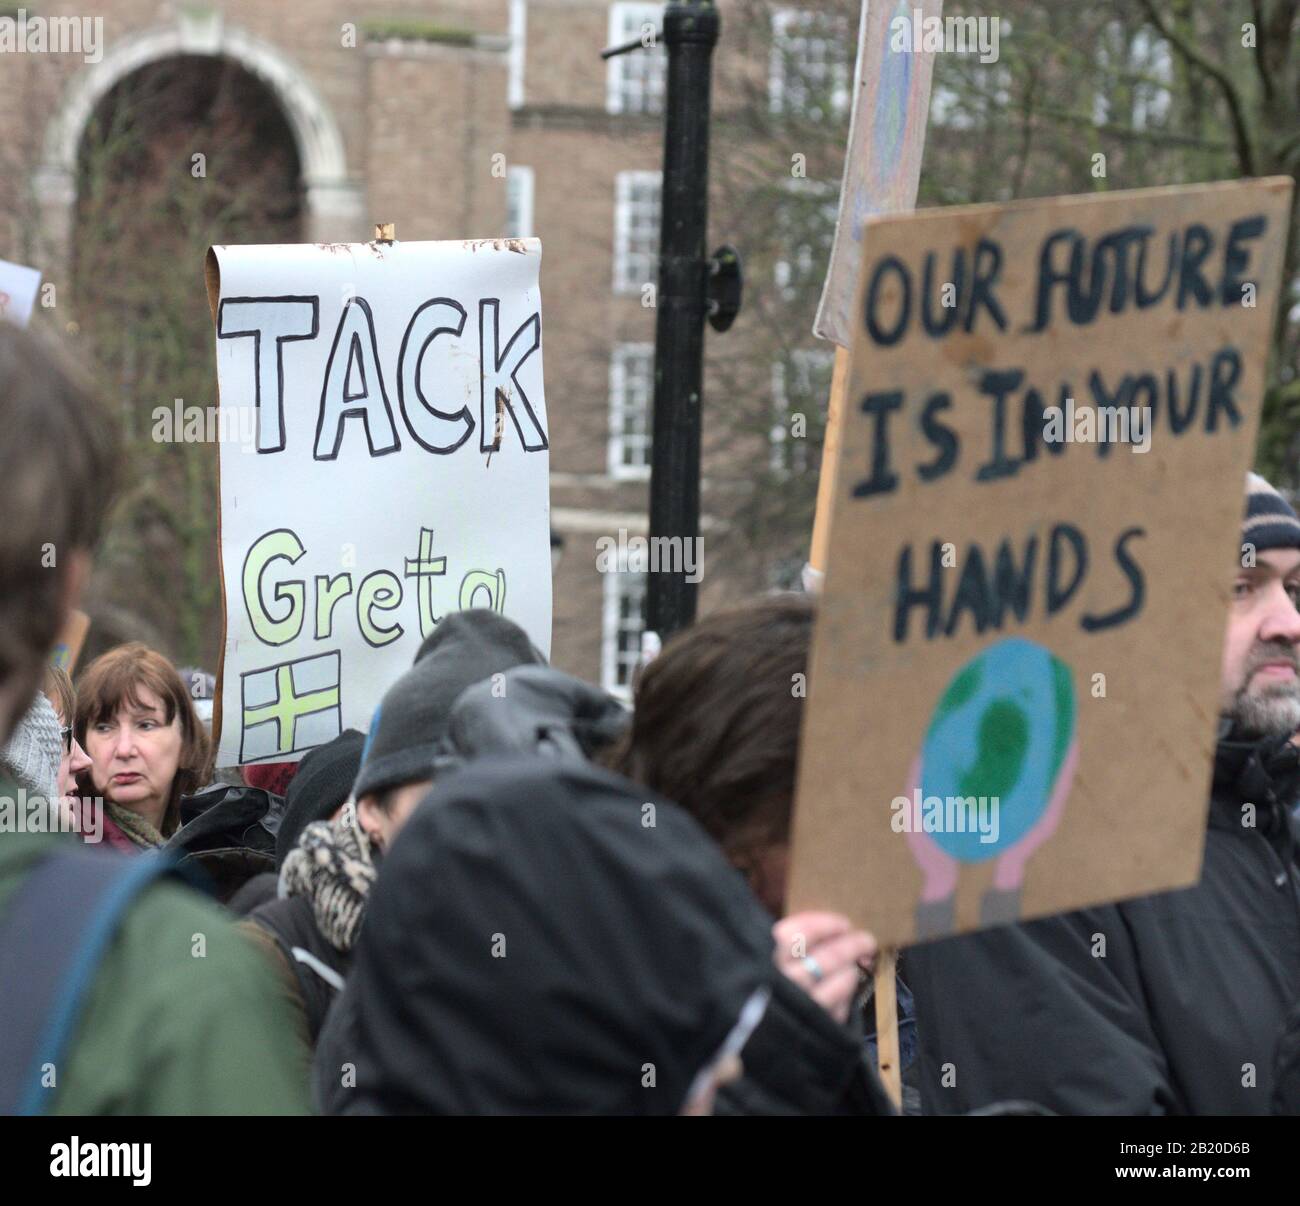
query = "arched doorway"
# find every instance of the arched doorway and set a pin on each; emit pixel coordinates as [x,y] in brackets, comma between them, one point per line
[334,200]
[182,153]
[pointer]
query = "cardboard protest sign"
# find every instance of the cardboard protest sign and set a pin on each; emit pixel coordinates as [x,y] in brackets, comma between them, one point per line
[891,102]
[384,460]
[1015,677]
[18,285]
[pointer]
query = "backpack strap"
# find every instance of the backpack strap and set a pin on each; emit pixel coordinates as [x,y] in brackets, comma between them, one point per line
[318,969]
[53,937]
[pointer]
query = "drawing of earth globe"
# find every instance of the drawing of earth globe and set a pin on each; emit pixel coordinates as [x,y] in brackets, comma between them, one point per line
[1002,729]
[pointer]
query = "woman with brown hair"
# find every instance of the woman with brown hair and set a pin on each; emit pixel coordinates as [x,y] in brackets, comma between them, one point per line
[146,744]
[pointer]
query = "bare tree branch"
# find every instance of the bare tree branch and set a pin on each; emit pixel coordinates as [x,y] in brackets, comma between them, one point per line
[1158,138]
[1241,135]
[1261,59]
[1026,132]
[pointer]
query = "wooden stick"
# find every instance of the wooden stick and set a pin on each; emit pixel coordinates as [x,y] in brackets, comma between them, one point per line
[886,963]
[891,1072]
[71,639]
[821,533]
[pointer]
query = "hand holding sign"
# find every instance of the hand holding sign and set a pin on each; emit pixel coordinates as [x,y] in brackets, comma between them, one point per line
[825,956]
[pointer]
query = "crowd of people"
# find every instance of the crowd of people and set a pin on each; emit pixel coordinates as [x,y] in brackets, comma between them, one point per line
[513,894]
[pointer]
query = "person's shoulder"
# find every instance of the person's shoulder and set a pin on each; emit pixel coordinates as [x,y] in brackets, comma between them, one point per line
[182,1014]
[171,933]
[290,919]
[183,1017]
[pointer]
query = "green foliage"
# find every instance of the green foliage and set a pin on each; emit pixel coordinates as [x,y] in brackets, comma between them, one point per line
[411,29]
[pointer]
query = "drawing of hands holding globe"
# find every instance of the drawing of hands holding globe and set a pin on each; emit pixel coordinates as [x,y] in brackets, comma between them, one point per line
[1002,741]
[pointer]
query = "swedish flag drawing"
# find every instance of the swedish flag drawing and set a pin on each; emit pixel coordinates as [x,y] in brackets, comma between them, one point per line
[290,707]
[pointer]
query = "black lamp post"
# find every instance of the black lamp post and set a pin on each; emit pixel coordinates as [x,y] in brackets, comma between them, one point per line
[692,287]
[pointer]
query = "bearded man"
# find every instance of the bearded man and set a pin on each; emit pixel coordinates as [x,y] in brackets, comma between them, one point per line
[1165,1004]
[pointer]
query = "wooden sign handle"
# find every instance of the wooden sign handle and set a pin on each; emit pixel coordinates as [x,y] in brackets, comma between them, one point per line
[891,1071]
[71,639]
[821,533]
[886,996]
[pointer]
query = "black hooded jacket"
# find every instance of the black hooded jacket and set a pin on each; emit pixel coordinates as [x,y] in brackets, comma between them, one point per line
[799,1060]
[1183,1012]
[1286,1071]
[230,833]
[545,938]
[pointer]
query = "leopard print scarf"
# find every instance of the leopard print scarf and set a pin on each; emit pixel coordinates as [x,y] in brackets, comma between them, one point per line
[333,866]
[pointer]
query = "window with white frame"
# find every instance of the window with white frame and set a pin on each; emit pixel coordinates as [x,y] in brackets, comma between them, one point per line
[631,392]
[805,229]
[519,203]
[518,30]
[623,623]
[810,73]
[801,386]
[636,230]
[634,82]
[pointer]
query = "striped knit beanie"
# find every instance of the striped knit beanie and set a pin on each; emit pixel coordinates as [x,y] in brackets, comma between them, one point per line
[1270,521]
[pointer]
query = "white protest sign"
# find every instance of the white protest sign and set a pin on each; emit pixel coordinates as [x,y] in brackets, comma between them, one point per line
[891,102]
[18,285]
[384,461]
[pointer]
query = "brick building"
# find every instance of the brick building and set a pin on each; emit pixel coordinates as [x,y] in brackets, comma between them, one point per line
[464,120]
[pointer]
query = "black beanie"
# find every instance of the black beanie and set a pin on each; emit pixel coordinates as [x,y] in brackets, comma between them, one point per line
[319,788]
[1270,521]
[465,647]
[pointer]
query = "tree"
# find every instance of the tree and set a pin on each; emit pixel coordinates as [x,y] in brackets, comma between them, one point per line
[1168,91]
[1256,77]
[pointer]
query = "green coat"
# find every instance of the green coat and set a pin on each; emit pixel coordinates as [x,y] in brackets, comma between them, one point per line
[167,1029]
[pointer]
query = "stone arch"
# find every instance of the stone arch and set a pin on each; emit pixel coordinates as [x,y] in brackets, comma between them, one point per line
[334,203]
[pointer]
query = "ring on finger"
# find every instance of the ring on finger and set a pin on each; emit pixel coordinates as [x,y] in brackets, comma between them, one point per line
[814,969]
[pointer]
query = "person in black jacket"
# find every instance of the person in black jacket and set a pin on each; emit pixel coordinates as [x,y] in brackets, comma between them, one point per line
[715,727]
[325,878]
[1166,1004]
[1286,1068]
[548,938]
[807,1055]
